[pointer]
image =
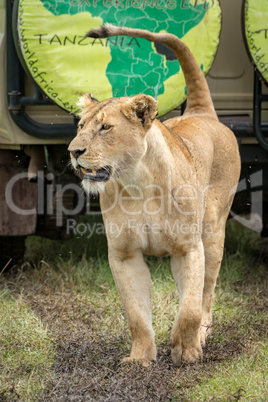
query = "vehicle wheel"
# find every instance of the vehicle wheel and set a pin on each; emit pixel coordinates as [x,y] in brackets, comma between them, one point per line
[12,249]
[264,232]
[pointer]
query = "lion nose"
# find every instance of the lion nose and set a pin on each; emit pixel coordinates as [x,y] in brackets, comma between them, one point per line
[78,152]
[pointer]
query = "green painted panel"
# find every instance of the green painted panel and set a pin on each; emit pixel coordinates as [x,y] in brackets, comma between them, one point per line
[66,64]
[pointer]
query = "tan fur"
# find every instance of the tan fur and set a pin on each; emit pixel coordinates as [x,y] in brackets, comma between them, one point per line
[169,193]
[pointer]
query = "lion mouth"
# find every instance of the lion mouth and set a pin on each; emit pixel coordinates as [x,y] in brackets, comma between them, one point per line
[102,174]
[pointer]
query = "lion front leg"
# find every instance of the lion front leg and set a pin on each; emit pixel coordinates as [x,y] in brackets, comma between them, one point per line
[188,272]
[133,281]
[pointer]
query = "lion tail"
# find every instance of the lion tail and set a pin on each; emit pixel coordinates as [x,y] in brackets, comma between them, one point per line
[199,100]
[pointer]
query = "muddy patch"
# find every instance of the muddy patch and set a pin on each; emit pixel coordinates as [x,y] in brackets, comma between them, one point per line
[92,370]
[88,364]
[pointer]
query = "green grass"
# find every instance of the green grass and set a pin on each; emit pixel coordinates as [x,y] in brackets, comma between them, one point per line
[26,351]
[65,295]
[243,378]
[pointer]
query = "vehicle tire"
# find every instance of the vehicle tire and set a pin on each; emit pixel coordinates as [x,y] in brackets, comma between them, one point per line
[12,248]
[264,232]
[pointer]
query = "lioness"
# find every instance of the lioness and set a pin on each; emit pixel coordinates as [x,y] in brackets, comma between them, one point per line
[165,189]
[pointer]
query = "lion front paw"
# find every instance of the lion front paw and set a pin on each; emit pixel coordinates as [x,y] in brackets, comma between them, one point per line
[143,361]
[186,355]
[143,353]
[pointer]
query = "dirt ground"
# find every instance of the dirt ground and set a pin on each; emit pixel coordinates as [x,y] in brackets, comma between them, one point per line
[88,364]
[88,367]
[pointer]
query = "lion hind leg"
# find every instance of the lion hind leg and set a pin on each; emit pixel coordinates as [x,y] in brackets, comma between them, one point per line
[213,247]
[188,272]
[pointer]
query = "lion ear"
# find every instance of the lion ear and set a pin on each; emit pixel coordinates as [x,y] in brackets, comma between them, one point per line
[141,109]
[86,101]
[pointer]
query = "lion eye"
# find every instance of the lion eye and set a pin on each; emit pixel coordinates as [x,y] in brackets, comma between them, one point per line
[80,126]
[105,126]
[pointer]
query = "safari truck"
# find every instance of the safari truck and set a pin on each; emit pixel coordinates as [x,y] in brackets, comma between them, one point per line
[47,63]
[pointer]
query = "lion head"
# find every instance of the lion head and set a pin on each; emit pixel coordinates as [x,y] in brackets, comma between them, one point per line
[111,138]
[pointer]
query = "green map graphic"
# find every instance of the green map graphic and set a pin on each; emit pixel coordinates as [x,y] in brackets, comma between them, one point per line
[130,70]
[65,64]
